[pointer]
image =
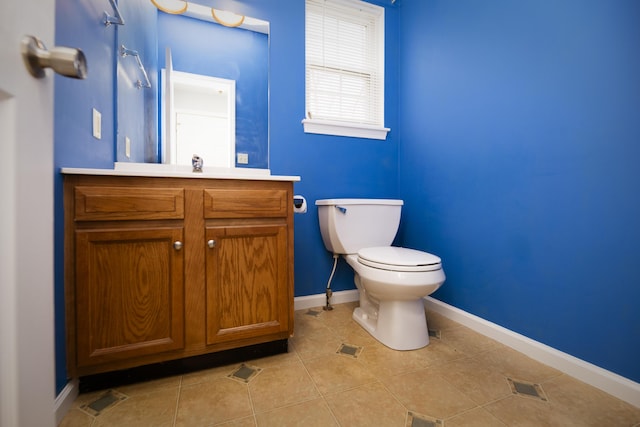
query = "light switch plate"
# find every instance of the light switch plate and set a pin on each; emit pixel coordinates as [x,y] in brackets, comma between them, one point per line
[97,124]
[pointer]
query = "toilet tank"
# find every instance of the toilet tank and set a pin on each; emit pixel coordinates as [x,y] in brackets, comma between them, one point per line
[347,225]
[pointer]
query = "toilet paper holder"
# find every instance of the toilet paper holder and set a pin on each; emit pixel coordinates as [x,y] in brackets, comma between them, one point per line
[299,204]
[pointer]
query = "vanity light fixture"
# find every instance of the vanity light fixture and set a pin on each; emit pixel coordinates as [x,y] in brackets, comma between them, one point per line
[174,7]
[178,7]
[225,18]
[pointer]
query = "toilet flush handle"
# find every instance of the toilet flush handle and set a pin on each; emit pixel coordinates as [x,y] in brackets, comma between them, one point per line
[342,209]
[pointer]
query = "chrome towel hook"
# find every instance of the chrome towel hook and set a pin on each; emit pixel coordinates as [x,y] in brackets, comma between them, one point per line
[130,52]
[66,61]
[117,20]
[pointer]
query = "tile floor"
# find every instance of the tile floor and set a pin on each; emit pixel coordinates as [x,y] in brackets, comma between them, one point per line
[335,374]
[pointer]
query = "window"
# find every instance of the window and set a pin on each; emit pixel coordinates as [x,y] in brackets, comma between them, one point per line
[345,68]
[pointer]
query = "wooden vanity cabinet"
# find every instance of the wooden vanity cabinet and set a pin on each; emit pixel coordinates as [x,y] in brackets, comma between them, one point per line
[158,269]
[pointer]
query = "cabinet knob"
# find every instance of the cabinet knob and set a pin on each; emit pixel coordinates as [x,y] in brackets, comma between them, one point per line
[211,243]
[177,245]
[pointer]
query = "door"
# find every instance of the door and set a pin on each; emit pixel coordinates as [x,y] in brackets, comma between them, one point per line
[198,117]
[246,282]
[27,385]
[200,133]
[130,293]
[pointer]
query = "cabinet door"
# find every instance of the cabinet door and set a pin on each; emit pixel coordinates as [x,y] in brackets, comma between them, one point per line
[129,293]
[246,282]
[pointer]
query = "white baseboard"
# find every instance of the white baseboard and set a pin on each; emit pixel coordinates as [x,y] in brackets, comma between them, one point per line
[64,401]
[607,381]
[320,300]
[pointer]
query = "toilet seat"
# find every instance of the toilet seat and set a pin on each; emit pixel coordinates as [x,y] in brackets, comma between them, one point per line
[395,258]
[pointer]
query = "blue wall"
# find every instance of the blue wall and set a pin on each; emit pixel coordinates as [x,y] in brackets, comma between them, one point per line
[512,142]
[520,139]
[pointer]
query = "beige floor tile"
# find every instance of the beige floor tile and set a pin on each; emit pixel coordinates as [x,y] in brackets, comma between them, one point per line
[96,405]
[304,322]
[588,404]
[384,362]
[150,386]
[481,384]
[150,409]
[240,422]
[354,334]
[313,413]
[208,374]
[367,405]
[516,365]
[336,373]
[277,360]
[213,402]
[468,341]
[89,397]
[427,392]
[281,386]
[438,352]
[528,412]
[476,417]
[76,418]
[317,342]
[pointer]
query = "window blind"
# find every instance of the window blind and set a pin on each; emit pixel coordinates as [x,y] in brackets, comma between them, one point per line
[345,61]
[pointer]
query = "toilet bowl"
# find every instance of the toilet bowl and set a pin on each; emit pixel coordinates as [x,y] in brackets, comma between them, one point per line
[392,281]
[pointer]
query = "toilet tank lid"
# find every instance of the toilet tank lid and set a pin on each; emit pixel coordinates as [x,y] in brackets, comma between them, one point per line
[337,202]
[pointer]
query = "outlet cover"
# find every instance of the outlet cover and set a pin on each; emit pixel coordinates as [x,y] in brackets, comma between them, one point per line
[243,158]
[127,146]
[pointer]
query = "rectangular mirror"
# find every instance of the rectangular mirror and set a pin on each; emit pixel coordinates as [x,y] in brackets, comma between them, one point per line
[199,117]
[205,42]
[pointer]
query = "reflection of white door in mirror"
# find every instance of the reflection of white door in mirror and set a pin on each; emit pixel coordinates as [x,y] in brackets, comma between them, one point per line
[198,118]
[201,133]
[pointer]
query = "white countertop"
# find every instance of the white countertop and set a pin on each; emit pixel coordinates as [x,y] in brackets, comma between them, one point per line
[180,171]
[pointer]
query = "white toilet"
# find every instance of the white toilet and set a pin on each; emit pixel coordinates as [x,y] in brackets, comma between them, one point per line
[391,280]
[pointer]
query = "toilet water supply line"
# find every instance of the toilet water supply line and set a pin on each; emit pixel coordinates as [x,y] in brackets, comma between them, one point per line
[328,292]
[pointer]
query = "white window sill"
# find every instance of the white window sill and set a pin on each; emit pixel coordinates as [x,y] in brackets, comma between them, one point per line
[326,127]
